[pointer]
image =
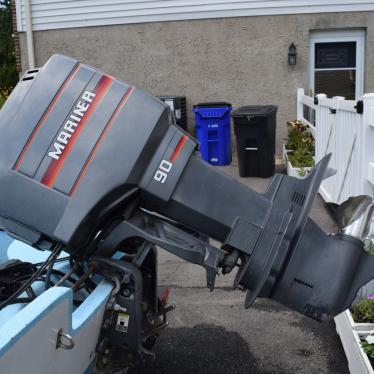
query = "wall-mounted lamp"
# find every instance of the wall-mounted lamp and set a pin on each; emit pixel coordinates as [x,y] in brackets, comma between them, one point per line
[292,54]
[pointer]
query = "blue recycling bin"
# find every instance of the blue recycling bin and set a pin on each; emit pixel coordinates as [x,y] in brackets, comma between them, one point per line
[213,131]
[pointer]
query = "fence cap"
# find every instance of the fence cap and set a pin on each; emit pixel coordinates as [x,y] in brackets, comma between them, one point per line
[172,97]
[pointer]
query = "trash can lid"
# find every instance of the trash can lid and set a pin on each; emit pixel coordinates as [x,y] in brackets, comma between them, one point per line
[219,104]
[176,97]
[254,110]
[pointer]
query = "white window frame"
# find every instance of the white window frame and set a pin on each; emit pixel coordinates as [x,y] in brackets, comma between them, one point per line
[357,36]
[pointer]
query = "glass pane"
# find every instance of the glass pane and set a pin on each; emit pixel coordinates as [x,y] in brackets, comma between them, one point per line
[336,83]
[335,55]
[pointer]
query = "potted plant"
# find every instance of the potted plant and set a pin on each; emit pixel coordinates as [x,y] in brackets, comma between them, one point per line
[298,152]
[360,317]
[355,327]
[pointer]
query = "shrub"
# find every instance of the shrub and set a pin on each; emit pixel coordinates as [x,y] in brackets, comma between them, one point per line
[301,142]
[4,95]
[301,158]
[299,137]
[8,70]
[363,311]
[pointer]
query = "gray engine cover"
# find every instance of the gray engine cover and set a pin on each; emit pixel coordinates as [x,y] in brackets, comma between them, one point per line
[73,141]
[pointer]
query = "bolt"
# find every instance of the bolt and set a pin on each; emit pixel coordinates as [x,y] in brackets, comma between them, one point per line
[126,279]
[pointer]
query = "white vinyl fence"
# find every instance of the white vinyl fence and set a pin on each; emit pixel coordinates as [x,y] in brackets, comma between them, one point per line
[344,128]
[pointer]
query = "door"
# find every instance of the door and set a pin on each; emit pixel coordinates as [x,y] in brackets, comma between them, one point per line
[336,63]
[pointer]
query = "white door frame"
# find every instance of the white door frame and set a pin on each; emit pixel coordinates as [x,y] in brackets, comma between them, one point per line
[357,36]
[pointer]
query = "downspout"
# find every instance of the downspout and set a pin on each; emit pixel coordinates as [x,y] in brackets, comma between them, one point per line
[29,35]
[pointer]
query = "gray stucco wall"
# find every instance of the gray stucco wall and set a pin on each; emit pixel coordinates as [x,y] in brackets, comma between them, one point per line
[240,60]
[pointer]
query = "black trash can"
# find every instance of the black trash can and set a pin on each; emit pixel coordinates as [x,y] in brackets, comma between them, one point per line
[178,105]
[254,128]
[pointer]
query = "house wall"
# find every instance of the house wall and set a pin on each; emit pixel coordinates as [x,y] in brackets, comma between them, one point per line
[241,60]
[59,14]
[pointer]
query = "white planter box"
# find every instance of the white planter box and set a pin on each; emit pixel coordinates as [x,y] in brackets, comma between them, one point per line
[358,361]
[350,333]
[293,171]
[344,321]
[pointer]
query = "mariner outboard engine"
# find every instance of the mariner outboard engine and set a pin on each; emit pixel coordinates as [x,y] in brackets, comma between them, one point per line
[96,167]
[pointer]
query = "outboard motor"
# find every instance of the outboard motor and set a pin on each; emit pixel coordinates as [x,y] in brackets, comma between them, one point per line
[94,166]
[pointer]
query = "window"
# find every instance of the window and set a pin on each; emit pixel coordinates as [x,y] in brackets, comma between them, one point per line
[337,63]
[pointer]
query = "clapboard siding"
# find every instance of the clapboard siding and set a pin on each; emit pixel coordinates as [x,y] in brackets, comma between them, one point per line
[56,14]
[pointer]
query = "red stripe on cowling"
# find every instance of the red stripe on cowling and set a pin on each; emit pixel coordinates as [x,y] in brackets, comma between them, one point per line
[99,141]
[45,115]
[55,166]
[178,149]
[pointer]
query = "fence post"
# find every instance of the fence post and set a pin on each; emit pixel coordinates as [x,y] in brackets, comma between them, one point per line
[319,129]
[300,105]
[337,161]
[366,144]
[368,100]
[337,99]
[321,96]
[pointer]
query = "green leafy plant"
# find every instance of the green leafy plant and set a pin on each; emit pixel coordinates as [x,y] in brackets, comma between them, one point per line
[368,348]
[8,70]
[294,131]
[299,137]
[301,146]
[4,95]
[301,158]
[363,311]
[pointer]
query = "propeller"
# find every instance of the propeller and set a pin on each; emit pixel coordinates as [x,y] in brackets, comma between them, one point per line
[354,216]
